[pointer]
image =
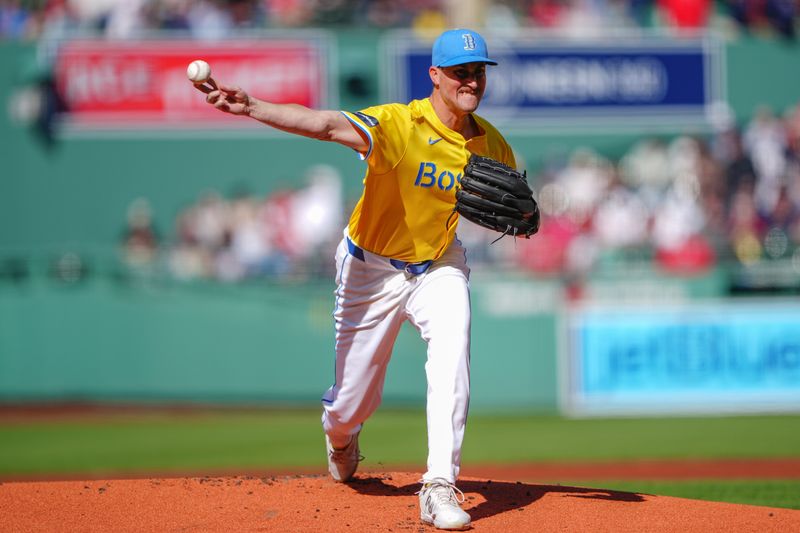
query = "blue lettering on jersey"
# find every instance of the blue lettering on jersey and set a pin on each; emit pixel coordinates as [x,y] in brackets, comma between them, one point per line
[427,176]
[367,119]
[446,180]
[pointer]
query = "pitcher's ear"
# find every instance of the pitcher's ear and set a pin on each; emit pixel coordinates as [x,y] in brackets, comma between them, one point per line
[434,74]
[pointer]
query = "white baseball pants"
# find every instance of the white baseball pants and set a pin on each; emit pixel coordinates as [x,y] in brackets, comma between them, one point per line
[373,299]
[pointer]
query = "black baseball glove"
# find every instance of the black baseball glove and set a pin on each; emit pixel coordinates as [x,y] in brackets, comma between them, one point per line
[496,196]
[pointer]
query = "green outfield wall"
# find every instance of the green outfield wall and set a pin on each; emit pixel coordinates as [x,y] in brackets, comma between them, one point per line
[103,339]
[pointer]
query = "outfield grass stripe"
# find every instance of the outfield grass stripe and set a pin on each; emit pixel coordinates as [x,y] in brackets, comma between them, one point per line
[784,493]
[771,468]
[269,439]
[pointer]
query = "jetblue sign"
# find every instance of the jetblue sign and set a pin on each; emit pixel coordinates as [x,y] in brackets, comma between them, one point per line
[693,359]
[631,81]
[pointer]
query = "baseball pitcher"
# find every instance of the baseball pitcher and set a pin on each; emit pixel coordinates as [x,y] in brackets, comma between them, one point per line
[400,258]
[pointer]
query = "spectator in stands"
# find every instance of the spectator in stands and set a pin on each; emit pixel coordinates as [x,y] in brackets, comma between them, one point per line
[387,14]
[316,211]
[173,15]
[288,13]
[738,169]
[678,238]
[15,20]
[645,168]
[760,16]
[622,219]
[140,239]
[712,191]
[584,181]
[546,14]
[128,20]
[501,18]
[745,227]
[209,20]
[684,15]
[547,253]
[783,226]
[764,141]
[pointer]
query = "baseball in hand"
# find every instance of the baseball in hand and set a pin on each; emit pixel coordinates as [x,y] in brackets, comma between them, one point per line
[198,71]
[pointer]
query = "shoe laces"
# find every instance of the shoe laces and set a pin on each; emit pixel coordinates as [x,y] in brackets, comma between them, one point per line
[442,491]
[345,454]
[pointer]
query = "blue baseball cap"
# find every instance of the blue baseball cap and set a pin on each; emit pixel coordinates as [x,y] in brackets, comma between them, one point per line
[456,47]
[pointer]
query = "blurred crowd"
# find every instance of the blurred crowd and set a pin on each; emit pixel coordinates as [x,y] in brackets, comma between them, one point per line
[681,205]
[209,19]
[289,233]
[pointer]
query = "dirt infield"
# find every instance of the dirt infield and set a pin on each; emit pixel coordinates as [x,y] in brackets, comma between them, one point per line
[306,500]
[374,502]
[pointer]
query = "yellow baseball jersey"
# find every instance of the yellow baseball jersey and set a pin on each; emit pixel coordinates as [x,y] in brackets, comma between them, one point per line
[414,164]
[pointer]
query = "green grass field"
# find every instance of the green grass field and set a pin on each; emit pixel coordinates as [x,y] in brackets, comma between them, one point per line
[765,492]
[161,442]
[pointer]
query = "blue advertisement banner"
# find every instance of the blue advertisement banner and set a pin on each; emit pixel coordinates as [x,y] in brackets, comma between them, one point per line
[723,358]
[630,80]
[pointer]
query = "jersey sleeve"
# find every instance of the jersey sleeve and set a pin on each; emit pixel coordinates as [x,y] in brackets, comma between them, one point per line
[387,129]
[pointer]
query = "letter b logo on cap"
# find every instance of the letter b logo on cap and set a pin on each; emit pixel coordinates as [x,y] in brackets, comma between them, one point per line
[469,41]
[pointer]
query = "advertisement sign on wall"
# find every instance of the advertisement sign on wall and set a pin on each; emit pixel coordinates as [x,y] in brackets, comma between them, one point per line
[643,80]
[699,358]
[143,84]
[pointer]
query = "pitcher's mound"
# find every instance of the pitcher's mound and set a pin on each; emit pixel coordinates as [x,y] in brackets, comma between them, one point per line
[373,502]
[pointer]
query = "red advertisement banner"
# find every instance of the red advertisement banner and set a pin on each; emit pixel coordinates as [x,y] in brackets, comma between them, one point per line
[144,84]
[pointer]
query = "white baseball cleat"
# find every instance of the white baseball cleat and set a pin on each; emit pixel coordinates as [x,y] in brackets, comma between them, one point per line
[439,504]
[342,462]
